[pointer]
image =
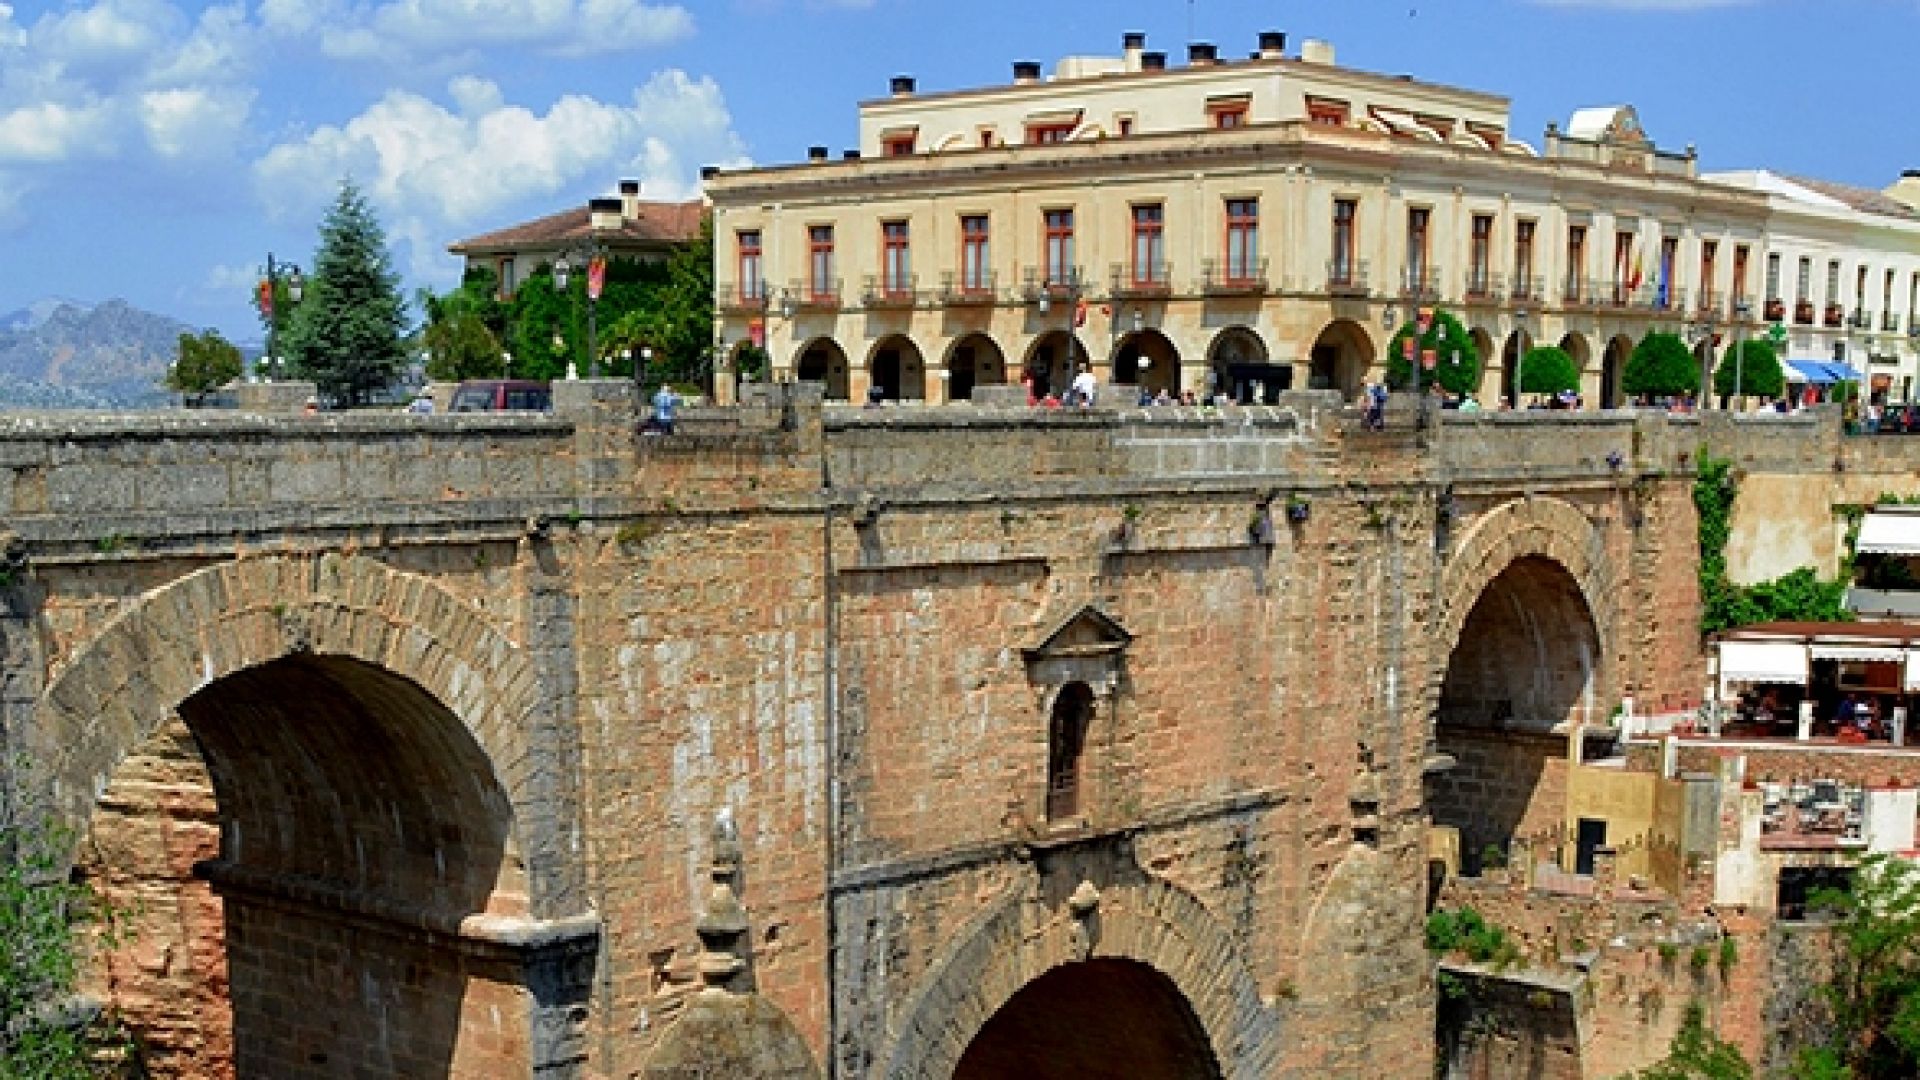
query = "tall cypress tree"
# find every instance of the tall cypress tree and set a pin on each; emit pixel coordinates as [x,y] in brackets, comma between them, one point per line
[348,332]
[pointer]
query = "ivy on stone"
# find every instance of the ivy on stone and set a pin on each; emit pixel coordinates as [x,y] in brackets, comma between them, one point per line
[1797,596]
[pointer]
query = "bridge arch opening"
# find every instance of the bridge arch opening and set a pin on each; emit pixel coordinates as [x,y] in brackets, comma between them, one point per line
[1095,1018]
[1523,674]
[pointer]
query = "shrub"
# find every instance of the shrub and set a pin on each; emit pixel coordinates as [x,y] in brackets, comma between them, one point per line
[1755,366]
[1457,359]
[1661,366]
[1548,369]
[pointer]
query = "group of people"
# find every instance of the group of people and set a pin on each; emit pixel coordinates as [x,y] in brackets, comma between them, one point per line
[1081,392]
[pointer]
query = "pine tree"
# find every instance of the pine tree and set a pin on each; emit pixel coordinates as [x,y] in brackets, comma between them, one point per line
[348,332]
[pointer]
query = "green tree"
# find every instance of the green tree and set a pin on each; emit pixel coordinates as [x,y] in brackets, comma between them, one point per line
[1756,368]
[1661,366]
[45,921]
[674,315]
[1456,358]
[204,363]
[1698,1054]
[348,333]
[1873,996]
[462,332]
[1548,369]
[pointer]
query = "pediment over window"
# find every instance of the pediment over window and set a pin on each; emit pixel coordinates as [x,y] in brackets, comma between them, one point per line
[1082,632]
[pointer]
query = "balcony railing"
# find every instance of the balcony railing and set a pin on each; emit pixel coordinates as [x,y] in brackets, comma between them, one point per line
[1526,288]
[1835,316]
[1672,300]
[889,291]
[1135,280]
[1576,292]
[1774,310]
[816,295]
[1861,319]
[736,298]
[1889,322]
[1037,284]
[1913,325]
[1482,287]
[1347,277]
[1231,277]
[1803,312]
[1420,283]
[961,290]
[1712,304]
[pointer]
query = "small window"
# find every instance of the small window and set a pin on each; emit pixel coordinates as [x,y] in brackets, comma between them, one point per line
[986,138]
[898,146]
[507,284]
[1123,126]
[1328,111]
[1066,746]
[1048,133]
[1230,117]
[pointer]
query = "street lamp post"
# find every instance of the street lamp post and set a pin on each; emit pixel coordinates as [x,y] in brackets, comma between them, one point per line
[1519,352]
[1741,310]
[596,258]
[269,306]
[1701,333]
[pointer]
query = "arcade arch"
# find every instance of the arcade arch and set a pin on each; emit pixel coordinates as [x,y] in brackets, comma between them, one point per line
[1574,344]
[1147,359]
[822,360]
[1051,362]
[974,360]
[1341,357]
[1240,368]
[1613,368]
[896,371]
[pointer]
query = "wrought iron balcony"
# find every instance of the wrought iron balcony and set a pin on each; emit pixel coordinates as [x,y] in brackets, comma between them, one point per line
[751,297]
[1233,277]
[1038,285]
[1347,277]
[889,291]
[1712,304]
[1420,283]
[962,290]
[1889,322]
[816,295]
[1484,287]
[1576,292]
[1861,319]
[1141,280]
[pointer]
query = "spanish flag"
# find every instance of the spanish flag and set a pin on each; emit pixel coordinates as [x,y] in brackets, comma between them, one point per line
[1634,276]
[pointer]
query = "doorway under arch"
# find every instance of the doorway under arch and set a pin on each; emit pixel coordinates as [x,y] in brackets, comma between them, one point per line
[1239,367]
[1051,362]
[1147,359]
[1613,368]
[1094,1018]
[1483,347]
[896,370]
[1526,666]
[1341,357]
[974,360]
[1574,344]
[822,360]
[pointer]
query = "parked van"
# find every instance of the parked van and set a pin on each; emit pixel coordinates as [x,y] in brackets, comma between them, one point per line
[502,395]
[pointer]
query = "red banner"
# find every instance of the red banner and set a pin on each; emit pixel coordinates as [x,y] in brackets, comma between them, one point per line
[757,333]
[1429,358]
[596,276]
[266,297]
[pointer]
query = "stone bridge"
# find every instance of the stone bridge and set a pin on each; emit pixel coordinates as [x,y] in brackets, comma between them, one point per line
[866,743]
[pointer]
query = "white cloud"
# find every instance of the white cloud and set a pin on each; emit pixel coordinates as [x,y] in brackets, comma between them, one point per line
[410,31]
[437,173]
[11,34]
[112,32]
[193,121]
[51,132]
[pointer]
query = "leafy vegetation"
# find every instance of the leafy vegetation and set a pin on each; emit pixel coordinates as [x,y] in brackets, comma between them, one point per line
[1660,366]
[1698,1054]
[1873,997]
[1799,595]
[1755,367]
[348,332]
[1456,358]
[1467,933]
[44,921]
[1548,369]
[205,362]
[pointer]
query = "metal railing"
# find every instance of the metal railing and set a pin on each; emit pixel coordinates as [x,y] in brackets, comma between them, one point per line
[1889,322]
[1420,282]
[1860,319]
[959,290]
[729,297]
[1141,279]
[1484,287]
[1230,277]
[1528,288]
[1036,284]
[889,291]
[1347,278]
[815,295]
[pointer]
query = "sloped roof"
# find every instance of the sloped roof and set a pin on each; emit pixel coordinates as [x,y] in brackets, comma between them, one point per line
[1865,200]
[656,223]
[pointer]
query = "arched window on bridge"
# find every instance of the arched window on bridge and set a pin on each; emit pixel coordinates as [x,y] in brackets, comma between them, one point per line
[1066,745]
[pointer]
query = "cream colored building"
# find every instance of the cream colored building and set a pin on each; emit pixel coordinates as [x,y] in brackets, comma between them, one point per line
[1842,275]
[1216,227]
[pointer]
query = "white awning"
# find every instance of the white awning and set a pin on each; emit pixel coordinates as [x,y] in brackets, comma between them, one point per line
[1763,662]
[1872,654]
[1889,533]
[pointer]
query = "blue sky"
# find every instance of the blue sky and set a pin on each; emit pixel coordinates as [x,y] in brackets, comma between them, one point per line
[157,150]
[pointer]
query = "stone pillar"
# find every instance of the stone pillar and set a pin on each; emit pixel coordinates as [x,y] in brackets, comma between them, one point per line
[935,377]
[858,380]
[1899,725]
[1805,731]
[1194,377]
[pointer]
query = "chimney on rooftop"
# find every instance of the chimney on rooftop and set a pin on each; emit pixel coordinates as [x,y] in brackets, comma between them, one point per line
[604,212]
[630,199]
[1202,54]
[1026,72]
[1315,51]
[708,172]
[1273,44]
[1153,61]
[1131,46]
[902,86]
[1906,189]
[816,153]
[849,155]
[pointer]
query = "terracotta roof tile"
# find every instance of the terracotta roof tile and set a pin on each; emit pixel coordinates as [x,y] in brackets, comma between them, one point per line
[656,223]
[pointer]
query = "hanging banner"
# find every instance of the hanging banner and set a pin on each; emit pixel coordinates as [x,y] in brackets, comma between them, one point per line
[596,276]
[266,297]
[757,333]
[1429,358]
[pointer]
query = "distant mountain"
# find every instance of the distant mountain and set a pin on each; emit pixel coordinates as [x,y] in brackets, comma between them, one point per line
[59,354]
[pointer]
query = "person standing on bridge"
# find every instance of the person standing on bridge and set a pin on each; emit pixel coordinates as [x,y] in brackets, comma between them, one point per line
[665,403]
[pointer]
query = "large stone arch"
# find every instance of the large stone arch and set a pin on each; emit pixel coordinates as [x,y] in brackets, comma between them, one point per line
[1525,651]
[374,747]
[1016,940]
